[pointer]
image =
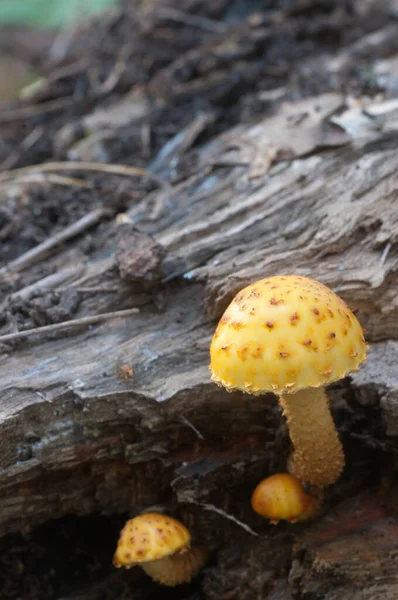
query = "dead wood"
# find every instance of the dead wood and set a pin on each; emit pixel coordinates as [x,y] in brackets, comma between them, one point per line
[120,416]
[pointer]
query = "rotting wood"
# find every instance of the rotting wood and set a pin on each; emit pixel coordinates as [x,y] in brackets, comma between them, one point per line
[64,410]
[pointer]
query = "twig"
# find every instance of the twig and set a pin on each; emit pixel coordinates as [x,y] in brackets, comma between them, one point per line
[145,134]
[25,145]
[50,178]
[385,253]
[191,426]
[41,250]
[180,143]
[65,71]
[213,508]
[18,335]
[37,109]
[60,45]
[125,170]
[200,22]
[49,282]
[115,75]
[42,396]
[96,289]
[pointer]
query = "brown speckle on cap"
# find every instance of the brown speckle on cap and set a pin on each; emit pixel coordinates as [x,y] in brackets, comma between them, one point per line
[242,352]
[257,352]
[151,540]
[290,317]
[275,302]
[254,294]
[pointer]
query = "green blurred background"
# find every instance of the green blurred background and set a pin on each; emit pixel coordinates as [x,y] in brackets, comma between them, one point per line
[49,13]
[29,31]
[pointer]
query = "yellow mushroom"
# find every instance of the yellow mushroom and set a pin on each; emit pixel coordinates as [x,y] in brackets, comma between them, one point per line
[282,496]
[160,545]
[291,336]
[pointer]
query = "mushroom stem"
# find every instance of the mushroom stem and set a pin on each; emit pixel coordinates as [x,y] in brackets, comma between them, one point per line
[318,457]
[177,568]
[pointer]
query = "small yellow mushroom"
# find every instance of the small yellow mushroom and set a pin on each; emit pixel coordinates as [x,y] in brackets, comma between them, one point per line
[282,496]
[160,545]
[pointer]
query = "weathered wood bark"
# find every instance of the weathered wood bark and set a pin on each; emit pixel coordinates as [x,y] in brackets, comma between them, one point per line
[120,416]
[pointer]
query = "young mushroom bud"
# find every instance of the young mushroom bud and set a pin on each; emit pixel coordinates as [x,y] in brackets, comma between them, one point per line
[282,496]
[160,545]
[292,336]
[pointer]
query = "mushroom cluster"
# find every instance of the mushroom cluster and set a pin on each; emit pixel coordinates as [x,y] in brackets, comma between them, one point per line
[292,336]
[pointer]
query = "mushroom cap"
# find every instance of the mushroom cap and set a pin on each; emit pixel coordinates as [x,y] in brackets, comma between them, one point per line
[282,496]
[283,334]
[150,536]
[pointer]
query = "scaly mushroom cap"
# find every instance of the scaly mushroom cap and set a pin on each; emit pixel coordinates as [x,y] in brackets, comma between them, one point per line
[283,334]
[149,537]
